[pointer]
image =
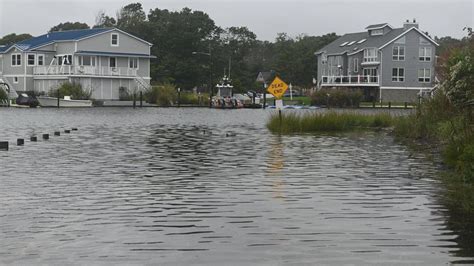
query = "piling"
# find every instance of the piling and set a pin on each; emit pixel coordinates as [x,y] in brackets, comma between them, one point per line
[20,142]
[406,105]
[389,105]
[46,136]
[33,138]
[57,133]
[74,129]
[4,145]
[67,131]
[141,99]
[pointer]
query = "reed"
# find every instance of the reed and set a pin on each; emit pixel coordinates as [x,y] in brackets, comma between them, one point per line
[327,122]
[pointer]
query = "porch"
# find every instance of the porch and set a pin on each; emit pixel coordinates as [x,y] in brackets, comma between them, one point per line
[74,70]
[358,80]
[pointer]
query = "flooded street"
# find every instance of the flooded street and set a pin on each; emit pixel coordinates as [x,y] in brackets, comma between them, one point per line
[212,187]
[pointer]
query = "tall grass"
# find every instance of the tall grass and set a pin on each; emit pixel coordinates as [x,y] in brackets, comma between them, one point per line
[326,122]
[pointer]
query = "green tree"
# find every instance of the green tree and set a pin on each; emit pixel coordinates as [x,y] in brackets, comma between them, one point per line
[69,26]
[132,19]
[12,38]
[104,21]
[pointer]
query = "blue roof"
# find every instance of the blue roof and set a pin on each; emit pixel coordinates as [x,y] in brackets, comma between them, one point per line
[3,48]
[70,35]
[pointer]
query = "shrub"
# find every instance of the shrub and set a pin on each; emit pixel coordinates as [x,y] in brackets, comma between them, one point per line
[163,95]
[3,94]
[74,90]
[341,97]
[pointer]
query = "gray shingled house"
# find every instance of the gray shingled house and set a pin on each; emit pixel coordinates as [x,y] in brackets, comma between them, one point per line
[386,63]
[104,61]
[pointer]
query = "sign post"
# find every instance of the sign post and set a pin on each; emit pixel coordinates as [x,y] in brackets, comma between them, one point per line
[278,88]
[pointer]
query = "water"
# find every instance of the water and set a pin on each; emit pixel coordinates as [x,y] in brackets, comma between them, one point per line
[212,187]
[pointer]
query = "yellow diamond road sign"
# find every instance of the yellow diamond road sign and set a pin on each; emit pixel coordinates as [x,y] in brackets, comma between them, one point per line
[277,88]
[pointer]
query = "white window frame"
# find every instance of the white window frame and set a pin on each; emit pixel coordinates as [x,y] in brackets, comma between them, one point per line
[324,58]
[130,59]
[37,59]
[355,62]
[93,60]
[376,32]
[367,71]
[112,39]
[28,59]
[424,55]
[397,56]
[371,58]
[15,80]
[110,61]
[14,62]
[424,78]
[398,77]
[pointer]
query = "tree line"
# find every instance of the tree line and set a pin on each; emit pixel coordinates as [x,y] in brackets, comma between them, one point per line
[175,35]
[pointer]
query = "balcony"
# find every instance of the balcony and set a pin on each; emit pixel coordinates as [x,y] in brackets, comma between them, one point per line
[69,70]
[350,80]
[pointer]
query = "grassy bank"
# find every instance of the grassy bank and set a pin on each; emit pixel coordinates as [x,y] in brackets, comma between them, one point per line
[326,122]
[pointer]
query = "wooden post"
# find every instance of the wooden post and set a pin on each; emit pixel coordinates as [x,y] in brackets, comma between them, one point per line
[58,97]
[134,100]
[141,99]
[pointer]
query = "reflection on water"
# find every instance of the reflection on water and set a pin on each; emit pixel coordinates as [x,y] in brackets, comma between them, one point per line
[181,186]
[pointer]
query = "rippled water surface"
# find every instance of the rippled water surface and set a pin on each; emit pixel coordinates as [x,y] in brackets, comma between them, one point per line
[211,187]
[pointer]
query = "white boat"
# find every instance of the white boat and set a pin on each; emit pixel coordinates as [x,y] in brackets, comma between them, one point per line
[46,101]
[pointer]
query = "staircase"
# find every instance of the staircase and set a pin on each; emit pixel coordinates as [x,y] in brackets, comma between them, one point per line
[8,88]
[142,84]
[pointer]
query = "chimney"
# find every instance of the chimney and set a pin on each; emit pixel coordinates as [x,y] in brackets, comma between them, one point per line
[408,25]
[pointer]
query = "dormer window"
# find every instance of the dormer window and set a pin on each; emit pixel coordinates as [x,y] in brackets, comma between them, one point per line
[376,32]
[114,41]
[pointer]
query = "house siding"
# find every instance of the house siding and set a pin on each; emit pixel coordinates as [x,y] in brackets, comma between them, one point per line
[102,42]
[411,64]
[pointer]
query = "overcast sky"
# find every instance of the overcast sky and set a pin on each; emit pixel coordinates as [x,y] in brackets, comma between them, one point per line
[264,17]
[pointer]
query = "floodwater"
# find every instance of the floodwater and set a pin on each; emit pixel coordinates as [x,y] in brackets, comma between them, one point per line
[213,187]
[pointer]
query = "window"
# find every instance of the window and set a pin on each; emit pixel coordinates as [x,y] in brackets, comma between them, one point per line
[40,60]
[355,61]
[398,53]
[31,59]
[376,32]
[15,79]
[398,74]
[351,43]
[424,75]
[114,39]
[16,59]
[425,54]
[87,61]
[370,55]
[133,63]
[112,62]
[344,43]
[324,58]
[370,72]
[361,41]
[65,59]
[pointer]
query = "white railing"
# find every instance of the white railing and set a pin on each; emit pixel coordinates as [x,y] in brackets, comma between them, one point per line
[84,70]
[349,80]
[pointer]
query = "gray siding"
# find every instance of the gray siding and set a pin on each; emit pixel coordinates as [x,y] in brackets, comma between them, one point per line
[411,64]
[102,42]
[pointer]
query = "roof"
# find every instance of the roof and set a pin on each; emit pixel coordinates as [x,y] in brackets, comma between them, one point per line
[265,76]
[57,36]
[378,41]
[115,54]
[377,26]
[3,48]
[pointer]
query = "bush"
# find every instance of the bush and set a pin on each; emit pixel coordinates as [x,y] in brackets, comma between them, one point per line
[3,94]
[74,90]
[342,97]
[163,95]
